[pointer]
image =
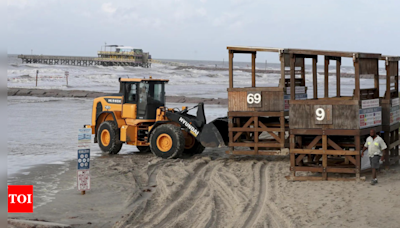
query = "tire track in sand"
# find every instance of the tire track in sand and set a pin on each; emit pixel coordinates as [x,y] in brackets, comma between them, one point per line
[160,217]
[265,213]
[188,199]
[272,181]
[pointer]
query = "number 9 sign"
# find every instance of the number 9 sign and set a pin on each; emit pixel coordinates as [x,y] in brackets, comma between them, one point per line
[253,99]
[320,113]
[323,114]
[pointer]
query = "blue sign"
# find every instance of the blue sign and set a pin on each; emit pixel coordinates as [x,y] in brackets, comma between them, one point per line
[83,159]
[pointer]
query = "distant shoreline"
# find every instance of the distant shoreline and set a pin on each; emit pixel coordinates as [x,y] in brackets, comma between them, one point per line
[12,91]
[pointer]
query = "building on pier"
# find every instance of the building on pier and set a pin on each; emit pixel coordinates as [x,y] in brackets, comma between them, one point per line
[122,53]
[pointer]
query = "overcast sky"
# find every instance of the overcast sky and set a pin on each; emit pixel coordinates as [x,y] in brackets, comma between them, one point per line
[201,29]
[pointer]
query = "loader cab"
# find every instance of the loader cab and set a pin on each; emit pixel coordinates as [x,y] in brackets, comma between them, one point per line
[142,97]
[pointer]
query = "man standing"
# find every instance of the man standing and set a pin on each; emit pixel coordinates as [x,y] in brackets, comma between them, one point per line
[376,149]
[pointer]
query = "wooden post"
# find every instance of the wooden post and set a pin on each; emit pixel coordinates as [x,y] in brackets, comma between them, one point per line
[253,69]
[230,126]
[303,73]
[256,134]
[37,73]
[83,192]
[338,64]
[315,79]
[292,77]
[357,79]
[387,66]
[282,135]
[324,156]
[388,140]
[230,69]
[376,79]
[326,80]
[292,157]
[396,78]
[283,76]
[358,157]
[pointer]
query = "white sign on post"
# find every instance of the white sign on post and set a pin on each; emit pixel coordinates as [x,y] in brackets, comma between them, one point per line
[83,180]
[83,176]
[66,76]
[395,102]
[373,103]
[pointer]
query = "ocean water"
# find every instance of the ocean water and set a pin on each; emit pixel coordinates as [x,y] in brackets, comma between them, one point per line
[185,82]
[44,130]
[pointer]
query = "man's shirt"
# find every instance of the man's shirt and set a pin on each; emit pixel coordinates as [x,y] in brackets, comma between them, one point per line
[375,146]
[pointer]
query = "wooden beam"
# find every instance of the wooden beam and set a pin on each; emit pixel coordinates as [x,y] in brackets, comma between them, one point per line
[230,125]
[253,69]
[282,80]
[315,79]
[259,129]
[324,156]
[292,77]
[303,73]
[328,152]
[252,144]
[262,89]
[249,113]
[292,143]
[256,134]
[357,80]
[244,127]
[351,159]
[326,78]
[299,158]
[252,152]
[376,79]
[230,69]
[338,64]
[334,145]
[324,102]
[275,136]
[387,66]
[315,141]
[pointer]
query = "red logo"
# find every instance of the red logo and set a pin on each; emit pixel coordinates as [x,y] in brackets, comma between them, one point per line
[20,198]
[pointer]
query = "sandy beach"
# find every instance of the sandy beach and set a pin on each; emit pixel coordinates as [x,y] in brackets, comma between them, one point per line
[209,190]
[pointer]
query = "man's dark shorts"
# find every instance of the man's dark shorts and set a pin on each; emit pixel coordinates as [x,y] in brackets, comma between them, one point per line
[375,161]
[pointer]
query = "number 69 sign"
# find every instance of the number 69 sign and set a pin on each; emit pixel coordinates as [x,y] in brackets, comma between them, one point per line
[253,99]
[323,114]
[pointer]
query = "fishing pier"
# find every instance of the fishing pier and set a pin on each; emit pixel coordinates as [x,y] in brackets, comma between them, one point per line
[117,56]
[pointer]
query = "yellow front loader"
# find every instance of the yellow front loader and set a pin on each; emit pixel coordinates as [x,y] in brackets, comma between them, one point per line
[137,116]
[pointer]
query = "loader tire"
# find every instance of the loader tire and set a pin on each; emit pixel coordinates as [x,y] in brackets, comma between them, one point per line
[192,146]
[108,137]
[167,141]
[144,149]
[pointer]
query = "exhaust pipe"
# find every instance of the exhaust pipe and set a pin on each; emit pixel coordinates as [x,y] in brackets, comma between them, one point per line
[215,133]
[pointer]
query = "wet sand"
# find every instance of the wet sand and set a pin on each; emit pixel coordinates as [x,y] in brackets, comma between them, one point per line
[93,94]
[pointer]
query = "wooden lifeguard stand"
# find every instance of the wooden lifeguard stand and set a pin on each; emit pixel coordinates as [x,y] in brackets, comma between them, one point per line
[254,110]
[391,110]
[326,134]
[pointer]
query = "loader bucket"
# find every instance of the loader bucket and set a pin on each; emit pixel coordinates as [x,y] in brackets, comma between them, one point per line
[215,133]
